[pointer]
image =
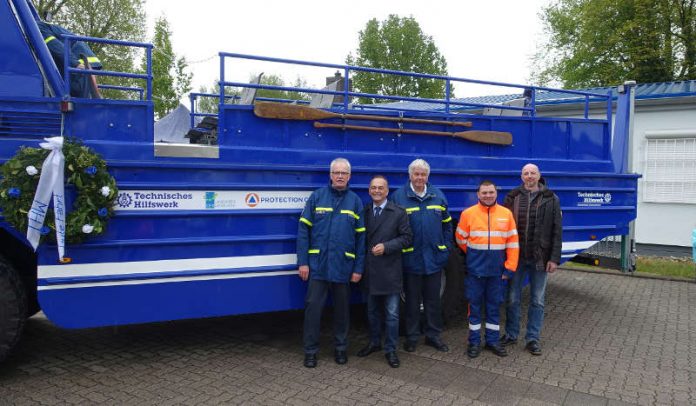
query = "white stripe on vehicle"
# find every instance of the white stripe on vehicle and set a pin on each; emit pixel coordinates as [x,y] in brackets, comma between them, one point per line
[167,280]
[167,265]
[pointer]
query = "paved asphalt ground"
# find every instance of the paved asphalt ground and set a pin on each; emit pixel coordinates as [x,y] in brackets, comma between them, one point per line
[608,340]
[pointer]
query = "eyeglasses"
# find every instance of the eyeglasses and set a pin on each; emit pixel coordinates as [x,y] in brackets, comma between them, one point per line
[340,173]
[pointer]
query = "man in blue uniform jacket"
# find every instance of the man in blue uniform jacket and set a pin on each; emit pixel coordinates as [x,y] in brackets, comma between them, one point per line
[330,254]
[431,225]
[79,83]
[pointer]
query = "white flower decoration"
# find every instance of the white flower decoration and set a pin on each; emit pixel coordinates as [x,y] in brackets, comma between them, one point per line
[105,191]
[87,228]
[31,170]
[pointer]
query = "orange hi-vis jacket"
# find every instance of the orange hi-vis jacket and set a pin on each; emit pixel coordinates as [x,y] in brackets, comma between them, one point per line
[488,236]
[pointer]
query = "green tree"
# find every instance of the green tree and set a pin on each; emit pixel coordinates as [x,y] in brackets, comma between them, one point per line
[398,44]
[604,42]
[51,7]
[210,104]
[170,80]
[275,80]
[113,19]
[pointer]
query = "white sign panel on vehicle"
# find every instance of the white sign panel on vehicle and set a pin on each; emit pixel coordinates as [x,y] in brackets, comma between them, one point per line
[209,200]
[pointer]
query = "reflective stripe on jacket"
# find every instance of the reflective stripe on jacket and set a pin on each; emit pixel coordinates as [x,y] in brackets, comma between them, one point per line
[431,224]
[488,236]
[331,235]
[53,37]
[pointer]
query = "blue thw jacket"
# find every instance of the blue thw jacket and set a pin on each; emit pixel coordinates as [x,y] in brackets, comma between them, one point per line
[431,224]
[331,235]
[53,36]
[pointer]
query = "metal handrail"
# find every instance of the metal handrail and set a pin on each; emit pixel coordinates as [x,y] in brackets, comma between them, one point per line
[448,102]
[69,70]
[140,90]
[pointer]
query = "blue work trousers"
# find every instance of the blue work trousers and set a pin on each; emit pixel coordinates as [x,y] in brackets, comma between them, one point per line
[389,305]
[535,313]
[486,290]
[427,287]
[315,300]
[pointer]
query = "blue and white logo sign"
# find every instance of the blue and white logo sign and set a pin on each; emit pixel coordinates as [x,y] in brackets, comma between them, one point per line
[210,200]
[593,199]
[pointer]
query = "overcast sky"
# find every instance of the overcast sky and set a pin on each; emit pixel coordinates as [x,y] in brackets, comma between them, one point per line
[488,40]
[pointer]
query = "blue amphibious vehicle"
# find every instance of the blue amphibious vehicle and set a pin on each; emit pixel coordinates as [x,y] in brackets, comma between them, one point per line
[209,229]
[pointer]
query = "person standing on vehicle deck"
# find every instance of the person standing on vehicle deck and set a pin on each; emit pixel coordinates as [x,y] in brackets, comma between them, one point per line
[486,233]
[537,212]
[79,83]
[330,255]
[388,233]
[431,225]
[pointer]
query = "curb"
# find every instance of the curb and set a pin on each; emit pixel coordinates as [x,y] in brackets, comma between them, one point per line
[630,274]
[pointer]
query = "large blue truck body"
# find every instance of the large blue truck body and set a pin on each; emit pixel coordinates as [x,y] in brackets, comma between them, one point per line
[203,231]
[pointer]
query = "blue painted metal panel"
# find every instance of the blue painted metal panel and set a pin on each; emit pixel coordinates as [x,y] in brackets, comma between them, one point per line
[19,74]
[165,264]
[126,304]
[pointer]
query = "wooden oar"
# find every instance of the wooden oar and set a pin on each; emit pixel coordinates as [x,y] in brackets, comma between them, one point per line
[485,137]
[297,112]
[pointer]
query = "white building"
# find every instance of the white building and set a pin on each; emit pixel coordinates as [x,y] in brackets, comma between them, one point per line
[663,151]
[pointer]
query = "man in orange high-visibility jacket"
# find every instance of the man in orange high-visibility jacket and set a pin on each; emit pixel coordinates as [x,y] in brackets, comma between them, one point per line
[488,236]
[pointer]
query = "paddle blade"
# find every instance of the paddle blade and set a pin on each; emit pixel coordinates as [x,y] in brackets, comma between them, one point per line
[486,137]
[285,111]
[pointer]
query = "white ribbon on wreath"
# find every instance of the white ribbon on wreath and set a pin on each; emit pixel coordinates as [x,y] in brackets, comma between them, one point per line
[51,183]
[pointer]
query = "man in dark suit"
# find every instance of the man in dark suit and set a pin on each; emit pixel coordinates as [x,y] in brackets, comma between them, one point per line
[388,232]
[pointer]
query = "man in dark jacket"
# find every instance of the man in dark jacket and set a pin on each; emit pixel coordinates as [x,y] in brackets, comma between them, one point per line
[388,232]
[330,254]
[537,212]
[431,224]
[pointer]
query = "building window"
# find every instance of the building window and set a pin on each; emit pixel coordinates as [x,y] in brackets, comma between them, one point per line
[670,169]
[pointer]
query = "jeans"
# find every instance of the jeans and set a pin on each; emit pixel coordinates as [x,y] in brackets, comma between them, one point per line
[315,299]
[535,314]
[427,287]
[390,305]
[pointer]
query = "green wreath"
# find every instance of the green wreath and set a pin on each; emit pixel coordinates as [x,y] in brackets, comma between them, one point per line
[84,169]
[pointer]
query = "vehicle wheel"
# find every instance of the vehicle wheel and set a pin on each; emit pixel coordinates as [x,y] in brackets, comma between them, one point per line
[13,309]
[453,300]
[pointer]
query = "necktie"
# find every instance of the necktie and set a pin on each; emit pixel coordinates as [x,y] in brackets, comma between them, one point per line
[378,210]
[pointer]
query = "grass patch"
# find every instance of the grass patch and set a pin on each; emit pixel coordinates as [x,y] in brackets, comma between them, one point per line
[665,266]
[679,267]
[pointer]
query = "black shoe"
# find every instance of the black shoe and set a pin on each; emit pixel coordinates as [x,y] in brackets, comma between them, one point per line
[534,348]
[310,360]
[437,344]
[340,357]
[506,340]
[497,349]
[473,350]
[409,346]
[392,359]
[369,349]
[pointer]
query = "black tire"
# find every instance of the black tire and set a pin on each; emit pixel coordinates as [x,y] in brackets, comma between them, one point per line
[13,309]
[453,300]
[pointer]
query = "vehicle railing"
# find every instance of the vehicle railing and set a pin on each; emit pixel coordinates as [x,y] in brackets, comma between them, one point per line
[140,90]
[68,39]
[449,104]
[193,98]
